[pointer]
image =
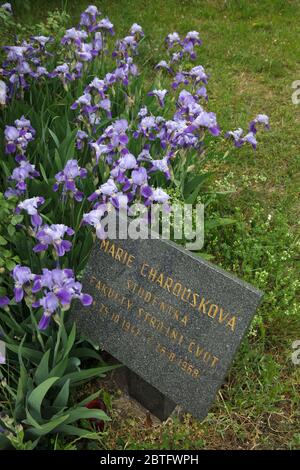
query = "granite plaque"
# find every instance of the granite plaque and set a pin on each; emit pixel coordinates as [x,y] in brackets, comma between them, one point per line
[171,317]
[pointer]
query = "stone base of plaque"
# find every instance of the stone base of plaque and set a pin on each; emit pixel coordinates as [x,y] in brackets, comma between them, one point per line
[140,391]
[148,396]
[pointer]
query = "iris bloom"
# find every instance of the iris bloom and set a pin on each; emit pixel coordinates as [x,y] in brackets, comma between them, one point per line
[31,207]
[53,235]
[94,218]
[58,287]
[22,277]
[160,95]
[67,177]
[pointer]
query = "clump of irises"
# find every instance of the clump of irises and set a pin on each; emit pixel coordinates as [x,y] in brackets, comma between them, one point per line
[52,291]
[121,158]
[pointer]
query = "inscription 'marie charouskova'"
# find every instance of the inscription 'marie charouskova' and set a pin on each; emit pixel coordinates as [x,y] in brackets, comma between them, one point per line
[186,295]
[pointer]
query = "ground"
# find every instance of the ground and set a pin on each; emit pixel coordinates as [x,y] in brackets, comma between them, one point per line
[251,50]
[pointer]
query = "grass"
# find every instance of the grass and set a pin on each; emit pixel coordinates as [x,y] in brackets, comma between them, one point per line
[251,50]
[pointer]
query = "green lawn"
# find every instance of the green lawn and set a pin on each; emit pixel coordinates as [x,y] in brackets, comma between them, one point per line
[252,51]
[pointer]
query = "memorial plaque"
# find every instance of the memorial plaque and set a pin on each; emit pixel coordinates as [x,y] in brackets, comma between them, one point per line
[171,317]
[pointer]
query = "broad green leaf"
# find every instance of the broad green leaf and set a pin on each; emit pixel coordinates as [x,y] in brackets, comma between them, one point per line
[74,431]
[86,413]
[62,398]
[70,341]
[42,371]
[59,369]
[34,400]
[31,354]
[41,430]
[82,375]
[87,352]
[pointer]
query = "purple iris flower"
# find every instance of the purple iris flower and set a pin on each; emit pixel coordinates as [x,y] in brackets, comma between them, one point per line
[53,235]
[160,95]
[177,133]
[84,100]
[191,40]
[163,64]
[7,7]
[260,119]
[81,136]
[94,218]
[127,162]
[202,92]
[159,195]
[90,17]
[98,86]
[75,36]
[109,79]
[107,189]
[136,30]
[161,165]
[63,73]
[24,125]
[15,53]
[251,139]
[147,127]
[24,171]
[106,105]
[40,72]
[172,39]
[88,111]
[139,177]
[152,195]
[11,135]
[41,40]
[115,135]
[185,99]
[99,150]
[98,42]
[127,46]
[67,178]
[85,52]
[31,207]
[198,74]
[176,57]
[18,137]
[143,112]
[22,277]
[237,136]
[120,201]
[123,72]
[179,79]
[50,303]
[207,120]
[59,288]
[240,139]
[106,25]
[144,156]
